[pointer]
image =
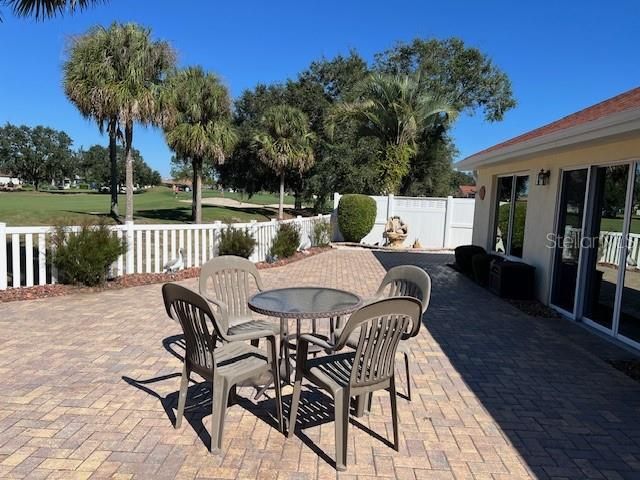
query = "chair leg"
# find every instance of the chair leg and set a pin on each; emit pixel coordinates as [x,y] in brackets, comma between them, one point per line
[361,401]
[220,400]
[406,367]
[341,402]
[275,372]
[295,401]
[394,413]
[182,398]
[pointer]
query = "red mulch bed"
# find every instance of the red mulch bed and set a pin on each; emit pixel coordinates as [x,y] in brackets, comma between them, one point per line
[133,280]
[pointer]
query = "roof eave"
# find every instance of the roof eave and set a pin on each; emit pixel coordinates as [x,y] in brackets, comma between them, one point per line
[609,126]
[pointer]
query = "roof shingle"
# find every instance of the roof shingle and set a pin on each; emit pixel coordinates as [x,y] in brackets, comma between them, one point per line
[619,103]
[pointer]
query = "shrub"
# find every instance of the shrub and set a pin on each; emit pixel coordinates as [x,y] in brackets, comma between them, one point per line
[83,186]
[286,241]
[321,234]
[234,241]
[84,257]
[464,254]
[356,216]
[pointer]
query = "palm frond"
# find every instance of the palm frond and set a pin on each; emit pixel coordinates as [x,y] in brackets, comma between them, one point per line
[42,9]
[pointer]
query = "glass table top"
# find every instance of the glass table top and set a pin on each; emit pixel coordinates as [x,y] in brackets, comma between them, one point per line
[305,302]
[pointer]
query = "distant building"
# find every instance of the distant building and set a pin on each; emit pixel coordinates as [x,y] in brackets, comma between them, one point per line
[5,179]
[467,191]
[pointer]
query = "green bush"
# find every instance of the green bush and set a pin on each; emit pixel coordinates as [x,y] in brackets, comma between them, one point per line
[234,241]
[84,257]
[356,216]
[83,186]
[321,234]
[286,241]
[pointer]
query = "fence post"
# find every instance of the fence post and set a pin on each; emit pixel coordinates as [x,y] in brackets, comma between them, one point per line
[390,206]
[3,256]
[130,249]
[448,215]
[336,200]
[255,256]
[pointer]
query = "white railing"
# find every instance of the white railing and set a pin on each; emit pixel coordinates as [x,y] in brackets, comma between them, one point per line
[25,252]
[436,222]
[611,246]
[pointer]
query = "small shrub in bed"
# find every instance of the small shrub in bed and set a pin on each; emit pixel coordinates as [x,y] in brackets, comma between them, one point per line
[286,241]
[356,216]
[84,257]
[321,234]
[235,241]
[464,254]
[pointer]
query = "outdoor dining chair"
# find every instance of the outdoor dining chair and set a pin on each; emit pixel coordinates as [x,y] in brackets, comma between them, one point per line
[379,327]
[221,358]
[226,283]
[408,281]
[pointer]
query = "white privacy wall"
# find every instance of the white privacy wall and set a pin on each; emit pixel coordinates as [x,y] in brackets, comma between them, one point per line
[435,222]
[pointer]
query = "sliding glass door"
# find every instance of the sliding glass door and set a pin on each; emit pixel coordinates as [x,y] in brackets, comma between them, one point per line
[604,245]
[629,317]
[568,238]
[597,259]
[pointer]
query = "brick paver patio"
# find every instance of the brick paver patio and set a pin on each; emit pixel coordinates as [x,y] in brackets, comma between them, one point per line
[88,389]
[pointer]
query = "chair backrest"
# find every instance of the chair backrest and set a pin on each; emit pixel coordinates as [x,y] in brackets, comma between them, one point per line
[382,325]
[227,279]
[199,324]
[407,281]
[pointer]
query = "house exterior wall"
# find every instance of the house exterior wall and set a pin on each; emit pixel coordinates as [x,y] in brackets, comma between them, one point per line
[543,199]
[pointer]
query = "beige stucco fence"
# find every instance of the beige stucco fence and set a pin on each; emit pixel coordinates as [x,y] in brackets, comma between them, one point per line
[437,222]
[25,252]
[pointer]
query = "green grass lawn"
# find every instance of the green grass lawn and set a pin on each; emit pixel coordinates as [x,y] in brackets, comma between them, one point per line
[258,198]
[157,205]
[615,225]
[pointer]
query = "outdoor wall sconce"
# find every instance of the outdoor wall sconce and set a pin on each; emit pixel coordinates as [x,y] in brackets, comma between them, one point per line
[543,177]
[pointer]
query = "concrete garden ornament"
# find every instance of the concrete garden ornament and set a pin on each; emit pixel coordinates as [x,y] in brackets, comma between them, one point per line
[395,231]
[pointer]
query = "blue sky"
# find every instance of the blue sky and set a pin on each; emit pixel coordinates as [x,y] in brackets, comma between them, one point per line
[560,55]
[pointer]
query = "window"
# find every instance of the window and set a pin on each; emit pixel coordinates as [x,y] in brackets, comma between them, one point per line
[510,214]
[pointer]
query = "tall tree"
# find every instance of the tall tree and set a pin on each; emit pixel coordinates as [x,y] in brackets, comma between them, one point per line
[36,154]
[450,69]
[394,109]
[113,75]
[197,123]
[94,167]
[283,142]
[472,83]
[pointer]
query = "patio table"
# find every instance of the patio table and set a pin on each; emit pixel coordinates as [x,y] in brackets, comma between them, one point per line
[314,303]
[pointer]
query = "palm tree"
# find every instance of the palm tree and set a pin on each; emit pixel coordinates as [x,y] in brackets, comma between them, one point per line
[41,9]
[284,142]
[393,109]
[197,123]
[86,73]
[113,75]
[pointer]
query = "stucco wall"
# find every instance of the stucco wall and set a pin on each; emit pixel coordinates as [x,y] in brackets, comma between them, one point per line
[542,202]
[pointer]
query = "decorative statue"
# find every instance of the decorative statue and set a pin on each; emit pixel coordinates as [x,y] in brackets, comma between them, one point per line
[395,231]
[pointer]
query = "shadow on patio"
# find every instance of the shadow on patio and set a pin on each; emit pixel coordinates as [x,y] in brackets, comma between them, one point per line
[567,412]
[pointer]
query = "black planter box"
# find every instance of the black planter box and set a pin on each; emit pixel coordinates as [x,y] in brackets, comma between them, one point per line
[512,280]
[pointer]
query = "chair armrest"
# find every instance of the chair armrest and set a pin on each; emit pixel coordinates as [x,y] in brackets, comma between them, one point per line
[253,335]
[310,338]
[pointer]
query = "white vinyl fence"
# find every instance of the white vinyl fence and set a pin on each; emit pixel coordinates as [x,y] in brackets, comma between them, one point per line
[436,222]
[25,252]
